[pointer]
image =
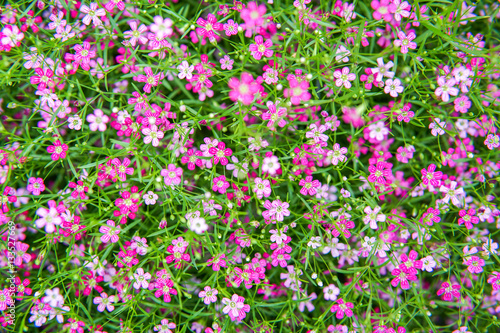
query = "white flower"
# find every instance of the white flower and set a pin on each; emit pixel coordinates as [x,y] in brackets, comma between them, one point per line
[75,122]
[383,69]
[331,292]
[105,302]
[373,216]
[198,225]
[437,127]
[378,131]
[333,247]
[185,71]
[150,198]
[271,165]
[452,193]
[141,279]
[428,264]
[315,242]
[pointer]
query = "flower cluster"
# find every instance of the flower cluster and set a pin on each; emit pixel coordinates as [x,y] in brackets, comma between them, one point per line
[249,166]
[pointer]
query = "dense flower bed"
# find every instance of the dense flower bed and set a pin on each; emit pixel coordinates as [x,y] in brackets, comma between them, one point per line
[296,166]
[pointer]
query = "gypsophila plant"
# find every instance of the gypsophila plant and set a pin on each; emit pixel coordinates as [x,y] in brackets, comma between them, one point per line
[257,166]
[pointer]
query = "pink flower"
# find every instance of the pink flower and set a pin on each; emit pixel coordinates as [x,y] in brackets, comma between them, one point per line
[261,48]
[492,141]
[262,188]
[220,184]
[172,175]
[446,88]
[83,55]
[105,302]
[209,295]
[276,210]
[93,14]
[121,168]
[235,307]
[452,193]
[393,87]
[165,326]
[298,91]
[343,77]
[136,35]
[110,232]
[405,41]
[243,90]
[462,104]
[97,121]
[475,264]
[342,308]
[152,135]
[400,9]
[151,79]
[58,150]
[36,185]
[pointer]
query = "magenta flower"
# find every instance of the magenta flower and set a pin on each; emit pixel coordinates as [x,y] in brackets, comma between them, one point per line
[405,42]
[42,79]
[209,27]
[402,276]
[112,3]
[220,184]
[431,216]
[431,176]
[79,189]
[468,218]
[261,48]
[58,150]
[151,79]
[449,291]
[379,172]
[342,309]
[297,91]
[220,153]
[217,262]
[231,28]
[309,186]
